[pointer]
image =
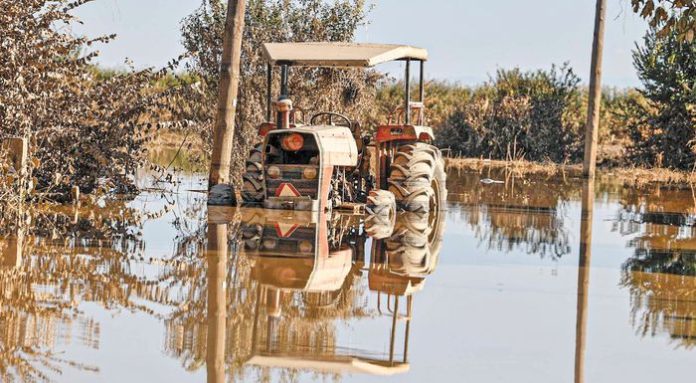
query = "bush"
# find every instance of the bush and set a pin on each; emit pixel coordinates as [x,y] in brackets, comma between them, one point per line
[86,128]
[534,115]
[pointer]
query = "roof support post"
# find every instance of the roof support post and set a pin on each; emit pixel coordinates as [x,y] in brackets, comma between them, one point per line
[421,91]
[407,106]
[283,114]
[284,80]
[269,85]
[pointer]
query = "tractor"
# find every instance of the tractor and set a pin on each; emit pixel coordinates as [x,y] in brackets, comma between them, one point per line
[329,163]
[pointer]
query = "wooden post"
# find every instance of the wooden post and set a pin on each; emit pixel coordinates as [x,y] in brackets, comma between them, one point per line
[217,303]
[17,150]
[583,278]
[595,92]
[227,106]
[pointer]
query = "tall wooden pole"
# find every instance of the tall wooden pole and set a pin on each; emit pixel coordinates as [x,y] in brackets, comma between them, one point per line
[595,96]
[227,98]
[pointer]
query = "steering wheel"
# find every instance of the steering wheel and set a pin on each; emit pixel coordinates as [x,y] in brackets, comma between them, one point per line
[331,115]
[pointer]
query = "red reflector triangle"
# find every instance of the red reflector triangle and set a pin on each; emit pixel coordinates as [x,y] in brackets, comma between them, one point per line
[285,230]
[286,190]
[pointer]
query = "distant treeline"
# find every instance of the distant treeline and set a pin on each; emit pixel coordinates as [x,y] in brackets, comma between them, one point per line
[537,116]
[540,115]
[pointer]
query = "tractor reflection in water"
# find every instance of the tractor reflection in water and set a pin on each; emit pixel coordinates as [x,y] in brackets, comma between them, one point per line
[309,268]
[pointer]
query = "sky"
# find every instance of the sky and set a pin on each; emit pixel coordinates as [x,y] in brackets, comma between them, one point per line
[468,40]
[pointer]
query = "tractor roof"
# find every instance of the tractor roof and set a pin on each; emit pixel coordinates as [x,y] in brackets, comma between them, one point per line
[333,54]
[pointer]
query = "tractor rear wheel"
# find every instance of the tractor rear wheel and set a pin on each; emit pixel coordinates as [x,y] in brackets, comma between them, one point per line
[417,178]
[252,187]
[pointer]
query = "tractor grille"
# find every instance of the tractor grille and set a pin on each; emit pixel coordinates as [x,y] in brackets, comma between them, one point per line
[293,175]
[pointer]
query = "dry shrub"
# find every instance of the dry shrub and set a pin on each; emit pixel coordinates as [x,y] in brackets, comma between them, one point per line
[532,115]
[85,129]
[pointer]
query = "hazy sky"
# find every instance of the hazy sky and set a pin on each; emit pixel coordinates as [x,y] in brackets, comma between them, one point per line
[467,39]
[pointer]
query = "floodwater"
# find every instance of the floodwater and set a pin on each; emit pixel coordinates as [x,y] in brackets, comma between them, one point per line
[534,279]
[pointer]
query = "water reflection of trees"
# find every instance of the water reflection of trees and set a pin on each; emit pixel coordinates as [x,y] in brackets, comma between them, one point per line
[663,303]
[661,274]
[522,213]
[51,263]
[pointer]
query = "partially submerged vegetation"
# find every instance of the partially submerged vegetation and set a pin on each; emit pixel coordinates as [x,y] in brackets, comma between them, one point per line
[539,116]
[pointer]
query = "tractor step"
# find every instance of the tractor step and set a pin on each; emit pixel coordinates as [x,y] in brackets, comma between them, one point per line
[351,208]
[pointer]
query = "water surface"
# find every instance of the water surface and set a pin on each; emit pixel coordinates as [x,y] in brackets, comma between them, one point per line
[544,279]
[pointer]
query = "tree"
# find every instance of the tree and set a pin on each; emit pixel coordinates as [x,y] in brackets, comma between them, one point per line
[667,16]
[348,91]
[666,134]
[531,115]
[87,128]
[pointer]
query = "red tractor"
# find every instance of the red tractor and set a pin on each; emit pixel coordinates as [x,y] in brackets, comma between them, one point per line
[328,163]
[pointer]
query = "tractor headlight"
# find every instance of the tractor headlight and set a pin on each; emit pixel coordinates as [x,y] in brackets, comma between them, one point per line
[273,172]
[309,173]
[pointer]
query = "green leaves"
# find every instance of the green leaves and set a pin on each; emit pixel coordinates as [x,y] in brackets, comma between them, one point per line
[667,16]
[664,135]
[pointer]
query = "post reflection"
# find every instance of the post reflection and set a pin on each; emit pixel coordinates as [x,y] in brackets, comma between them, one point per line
[585,256]
[11,251]
[216,259]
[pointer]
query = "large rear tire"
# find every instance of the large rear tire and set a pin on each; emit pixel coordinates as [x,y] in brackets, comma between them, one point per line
[417,178]
[252,186]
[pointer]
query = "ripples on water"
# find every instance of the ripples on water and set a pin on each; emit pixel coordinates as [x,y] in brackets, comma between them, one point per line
[508,285]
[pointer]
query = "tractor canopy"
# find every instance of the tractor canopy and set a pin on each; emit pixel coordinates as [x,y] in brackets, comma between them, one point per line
[334,54]
[342,55]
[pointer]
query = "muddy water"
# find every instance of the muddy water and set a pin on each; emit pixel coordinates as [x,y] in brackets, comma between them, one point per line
[532,279]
